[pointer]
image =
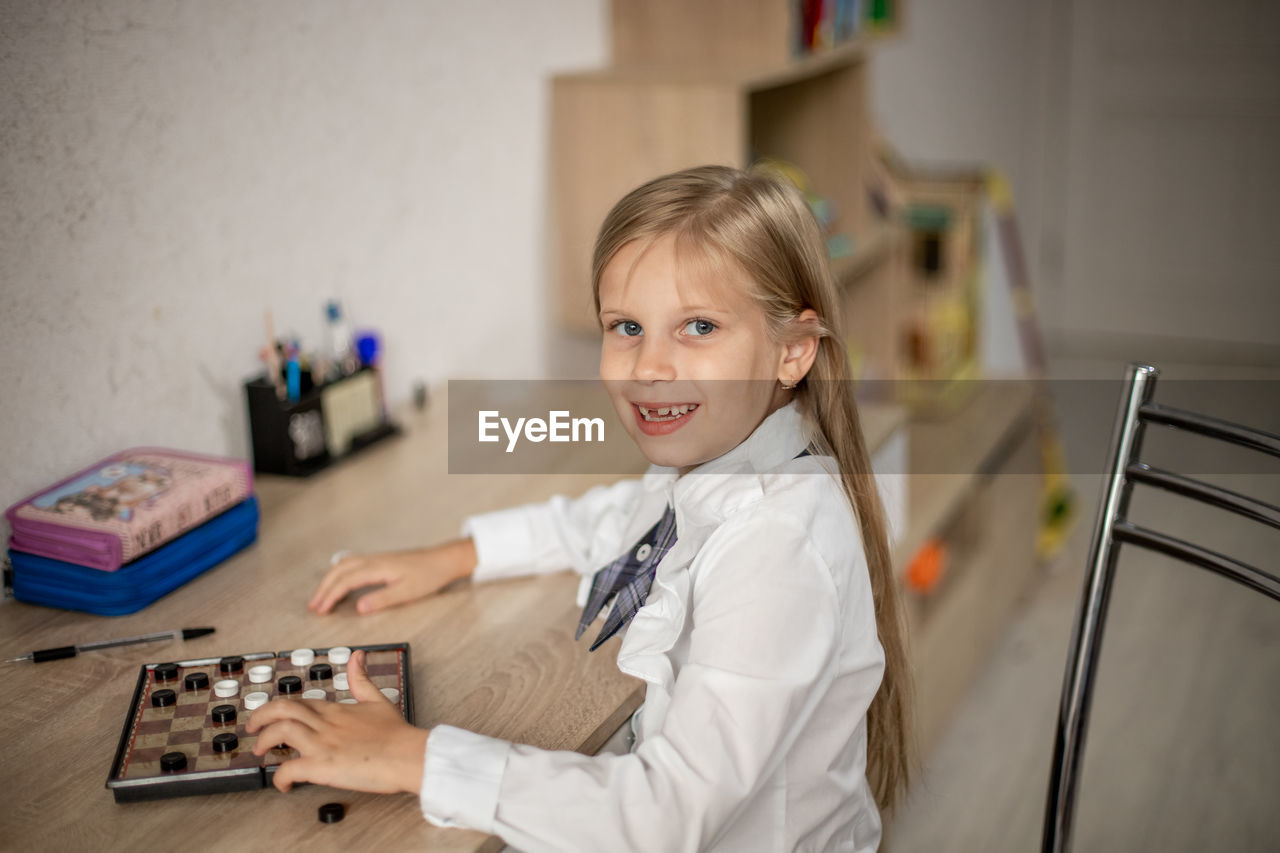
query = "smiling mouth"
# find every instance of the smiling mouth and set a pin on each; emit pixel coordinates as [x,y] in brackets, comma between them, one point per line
[662,414]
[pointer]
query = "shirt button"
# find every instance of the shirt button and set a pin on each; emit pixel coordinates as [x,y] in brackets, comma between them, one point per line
[643,552]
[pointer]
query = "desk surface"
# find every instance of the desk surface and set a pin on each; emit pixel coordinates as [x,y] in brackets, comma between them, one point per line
[495,658]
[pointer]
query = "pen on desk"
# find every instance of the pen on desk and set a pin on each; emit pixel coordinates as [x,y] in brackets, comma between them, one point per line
[71,651]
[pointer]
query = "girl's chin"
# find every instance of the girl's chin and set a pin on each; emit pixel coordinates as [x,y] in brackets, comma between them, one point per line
[662,453]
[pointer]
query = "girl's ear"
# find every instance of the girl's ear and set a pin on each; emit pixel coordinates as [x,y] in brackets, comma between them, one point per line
[797,356]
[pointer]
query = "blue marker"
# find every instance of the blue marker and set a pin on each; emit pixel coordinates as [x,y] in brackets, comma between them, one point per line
[293,377]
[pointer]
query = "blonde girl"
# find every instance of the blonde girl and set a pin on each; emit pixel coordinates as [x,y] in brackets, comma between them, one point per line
[748,573]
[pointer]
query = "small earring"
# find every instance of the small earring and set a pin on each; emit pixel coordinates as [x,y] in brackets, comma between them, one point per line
[786,387]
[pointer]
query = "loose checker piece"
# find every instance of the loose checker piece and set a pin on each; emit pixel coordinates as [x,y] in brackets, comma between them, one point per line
[185,731]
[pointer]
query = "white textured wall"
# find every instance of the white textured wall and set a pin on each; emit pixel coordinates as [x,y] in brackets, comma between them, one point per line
[172,169]
[1175,174]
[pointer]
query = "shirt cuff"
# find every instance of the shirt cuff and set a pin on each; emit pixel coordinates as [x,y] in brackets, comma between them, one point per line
[503,543]
[461,778]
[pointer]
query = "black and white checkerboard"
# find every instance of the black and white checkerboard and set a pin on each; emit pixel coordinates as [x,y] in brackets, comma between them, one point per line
[188,724]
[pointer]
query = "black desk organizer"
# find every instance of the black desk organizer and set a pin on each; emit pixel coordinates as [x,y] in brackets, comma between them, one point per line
[289,437]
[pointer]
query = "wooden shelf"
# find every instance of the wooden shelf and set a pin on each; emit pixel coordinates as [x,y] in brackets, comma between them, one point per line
[726,33]
[755,74]
[936,318]
[616,128]
[871,297]
[991,538]
[879,240]
[879,422]
[948,456]
[973,488]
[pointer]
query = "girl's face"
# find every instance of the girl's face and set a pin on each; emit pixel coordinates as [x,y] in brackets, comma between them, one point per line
[687,358]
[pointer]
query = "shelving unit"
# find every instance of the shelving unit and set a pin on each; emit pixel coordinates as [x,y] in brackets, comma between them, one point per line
[719,33]
[872,299]
[949,456]
[940,211]
[990,533]
[727,33]
[973,489]
[616,128]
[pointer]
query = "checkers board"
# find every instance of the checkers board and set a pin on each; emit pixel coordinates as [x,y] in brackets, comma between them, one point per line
[175,709]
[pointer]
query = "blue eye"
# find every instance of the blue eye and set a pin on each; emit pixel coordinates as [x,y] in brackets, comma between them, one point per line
[700,328]
[628,328]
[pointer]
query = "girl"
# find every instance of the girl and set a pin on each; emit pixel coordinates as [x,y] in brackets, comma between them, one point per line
[758,602]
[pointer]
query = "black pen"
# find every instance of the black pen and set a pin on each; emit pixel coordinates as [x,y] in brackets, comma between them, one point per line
[71,651]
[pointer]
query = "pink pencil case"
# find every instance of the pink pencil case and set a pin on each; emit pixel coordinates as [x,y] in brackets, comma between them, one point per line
[126,505]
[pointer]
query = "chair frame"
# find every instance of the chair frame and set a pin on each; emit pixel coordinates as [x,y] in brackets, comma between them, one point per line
[1111,530]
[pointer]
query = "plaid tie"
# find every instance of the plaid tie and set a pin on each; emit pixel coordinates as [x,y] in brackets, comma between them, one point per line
[628,578]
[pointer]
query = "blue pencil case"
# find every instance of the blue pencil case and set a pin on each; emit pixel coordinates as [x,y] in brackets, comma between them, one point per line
[55,583]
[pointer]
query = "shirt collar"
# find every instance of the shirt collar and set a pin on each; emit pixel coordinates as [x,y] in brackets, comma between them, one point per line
[779,437]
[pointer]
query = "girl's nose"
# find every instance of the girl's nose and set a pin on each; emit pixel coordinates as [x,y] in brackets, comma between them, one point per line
[654,362]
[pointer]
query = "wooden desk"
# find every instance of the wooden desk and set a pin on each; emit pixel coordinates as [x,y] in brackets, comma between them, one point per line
[494,658]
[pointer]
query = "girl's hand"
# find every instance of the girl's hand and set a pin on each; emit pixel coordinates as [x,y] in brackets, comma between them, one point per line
[404,576]
[363,747]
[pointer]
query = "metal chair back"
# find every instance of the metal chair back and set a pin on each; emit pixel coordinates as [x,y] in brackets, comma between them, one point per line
[1124,471]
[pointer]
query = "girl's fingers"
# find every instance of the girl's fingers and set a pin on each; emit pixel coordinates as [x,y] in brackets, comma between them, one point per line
[380,599]
[342,580]
[298,735]
[361,687]
[364,747]
[295,772]
[336,584]
[336,569]
[282,709]
[325,587]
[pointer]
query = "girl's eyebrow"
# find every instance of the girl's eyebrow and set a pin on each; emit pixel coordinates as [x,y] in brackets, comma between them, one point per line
[705,309]
[683,309]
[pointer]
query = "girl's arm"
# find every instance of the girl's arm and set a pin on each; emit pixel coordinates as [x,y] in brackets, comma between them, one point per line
[581,533]
[558,534]
[402,576]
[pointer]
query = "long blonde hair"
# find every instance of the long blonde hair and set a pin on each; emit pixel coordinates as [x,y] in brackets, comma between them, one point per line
[759,222]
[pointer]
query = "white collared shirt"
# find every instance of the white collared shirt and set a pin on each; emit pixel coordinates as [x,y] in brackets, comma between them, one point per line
[758,645]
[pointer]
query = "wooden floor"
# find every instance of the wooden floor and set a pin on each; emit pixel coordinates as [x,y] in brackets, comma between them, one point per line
[1184,744]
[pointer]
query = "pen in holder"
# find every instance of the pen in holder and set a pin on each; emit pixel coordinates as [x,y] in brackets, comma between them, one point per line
[325,424]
